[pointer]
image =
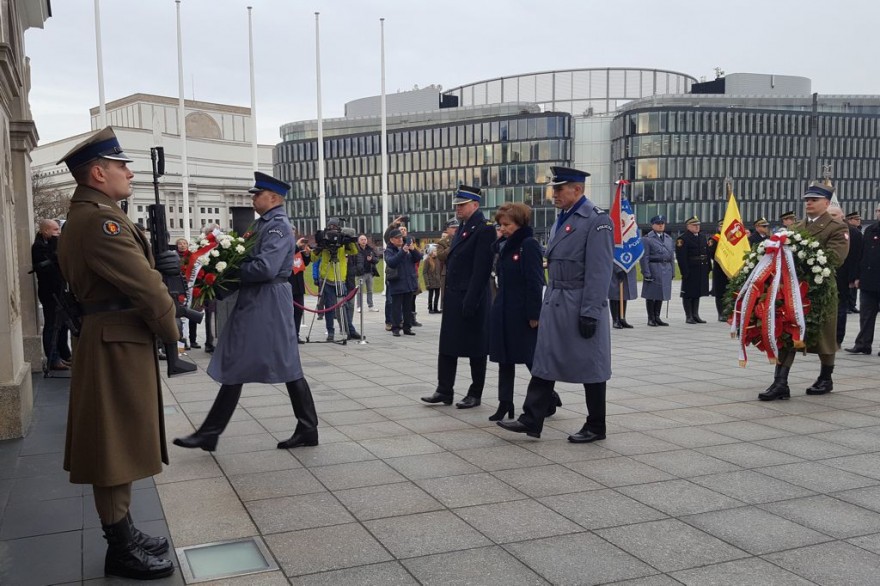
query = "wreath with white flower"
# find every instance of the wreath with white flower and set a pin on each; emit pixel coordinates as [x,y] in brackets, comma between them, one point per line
[213,269]
[783,294]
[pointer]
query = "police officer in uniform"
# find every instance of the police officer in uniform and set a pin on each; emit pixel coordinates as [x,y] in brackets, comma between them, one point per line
[693,249]
[464,328]
[761,233]
[115,424]
[630,292]
[574,336]
[657,269]
[259,342]
[833,236]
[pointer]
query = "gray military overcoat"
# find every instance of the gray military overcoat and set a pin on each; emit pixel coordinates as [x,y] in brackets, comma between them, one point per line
[258,344]
[658,264]
[579,259]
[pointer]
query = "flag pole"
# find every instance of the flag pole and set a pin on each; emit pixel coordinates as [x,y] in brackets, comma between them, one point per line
[181,126]
[253,93]
[102,105]
[322,196]
[384,134]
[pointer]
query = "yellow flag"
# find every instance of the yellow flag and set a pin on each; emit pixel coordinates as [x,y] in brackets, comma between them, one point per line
[732,240]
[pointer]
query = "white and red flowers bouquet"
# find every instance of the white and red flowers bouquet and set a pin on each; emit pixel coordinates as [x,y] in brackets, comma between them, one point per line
[783,294]
[212,268]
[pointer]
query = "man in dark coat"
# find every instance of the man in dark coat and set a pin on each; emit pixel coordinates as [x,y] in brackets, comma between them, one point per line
[464,329]
[258,344]
[761,233]
[847,273]
[854,220]
[693,250]
[657,269]
[574,337]
[868,282]
[401,276]
[115,420]
[720,280]
[50,282]
[833,237]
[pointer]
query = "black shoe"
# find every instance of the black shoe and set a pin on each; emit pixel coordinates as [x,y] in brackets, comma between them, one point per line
[408,333]
[320,317]
[468,402]
[127,559]
[505,409]
[857,350]
[652,323]
[354,336]
[152,545]
[209,348]
[329,337]
[821,387]
[517,427]
[416,324]
[395,333]
[617,325]
[300,340]
[660,322]
[698,319]
[585,436]
[196,440]
[689,320]
[195,345]
[721,318]
[626,325]
[309,438]
[438,398]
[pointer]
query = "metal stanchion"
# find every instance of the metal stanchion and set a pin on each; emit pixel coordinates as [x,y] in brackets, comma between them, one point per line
[360,297]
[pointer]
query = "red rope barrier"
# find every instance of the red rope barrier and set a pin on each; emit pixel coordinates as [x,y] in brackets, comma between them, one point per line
[344,300]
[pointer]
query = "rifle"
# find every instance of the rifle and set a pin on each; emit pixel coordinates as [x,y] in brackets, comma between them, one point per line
[159,239]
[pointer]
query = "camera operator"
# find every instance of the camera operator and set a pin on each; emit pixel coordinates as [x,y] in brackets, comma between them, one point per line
[367,259]
[400,262]
[410,242]
[335,245]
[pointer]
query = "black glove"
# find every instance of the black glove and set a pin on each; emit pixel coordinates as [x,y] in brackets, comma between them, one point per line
[168,263]
[587,327]
[621,275]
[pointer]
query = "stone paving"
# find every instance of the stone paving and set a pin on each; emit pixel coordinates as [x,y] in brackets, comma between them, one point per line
[697,483]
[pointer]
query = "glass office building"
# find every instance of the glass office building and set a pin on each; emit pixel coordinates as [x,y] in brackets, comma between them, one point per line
[677,151]
[507,152]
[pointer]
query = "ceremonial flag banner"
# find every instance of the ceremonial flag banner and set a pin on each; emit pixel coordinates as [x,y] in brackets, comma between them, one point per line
[732,241]
[628,248]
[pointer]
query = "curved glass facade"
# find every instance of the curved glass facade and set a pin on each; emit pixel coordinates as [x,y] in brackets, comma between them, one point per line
[678,157]
[580,92]
[507,157]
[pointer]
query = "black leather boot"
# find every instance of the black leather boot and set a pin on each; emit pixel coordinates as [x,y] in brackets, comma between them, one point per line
[823,384]
[623,321]
[216,421]
[719,307]
[505,409]
[125,558]
[649,303]
[306,432]
[615,314]
[151,545]
[688,311]
[695,311]
[779,389]
[658,306]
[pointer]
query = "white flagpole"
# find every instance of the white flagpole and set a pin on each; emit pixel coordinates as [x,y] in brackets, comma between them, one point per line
[181,125]
[102,117]
[384,135]
[253,93]
[322,197]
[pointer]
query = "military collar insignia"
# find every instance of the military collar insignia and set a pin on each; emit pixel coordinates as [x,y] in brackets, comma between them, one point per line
[111,228]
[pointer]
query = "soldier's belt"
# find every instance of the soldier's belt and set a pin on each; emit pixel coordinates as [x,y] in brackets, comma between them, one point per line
[556,284]
[106,306]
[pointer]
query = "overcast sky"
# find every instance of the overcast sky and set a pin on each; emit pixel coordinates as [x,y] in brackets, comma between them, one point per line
[446,42]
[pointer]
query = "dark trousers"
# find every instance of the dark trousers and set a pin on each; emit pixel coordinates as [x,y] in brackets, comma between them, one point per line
[387,306]
[842,310]
[193,331]
[51,322]
[412,302]
[506,376]
[447,367]
[539,398]
[867,317]
[853,298]
[210,315]
[433,299]
[400,312]
[330,299]
[300,299]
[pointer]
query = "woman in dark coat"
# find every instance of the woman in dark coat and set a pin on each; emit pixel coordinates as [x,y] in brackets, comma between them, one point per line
[513,319]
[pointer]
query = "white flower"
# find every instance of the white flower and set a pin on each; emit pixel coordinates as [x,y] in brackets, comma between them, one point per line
[814,244]
[239,239]
[239,249]
[205,260]
[818,279]
[225,242]
[811,261]
[215,253]
[203,242]
[797,237]
[793,248]
[221,266]
[802,255]
[817,269]
[826,272]
[193,247]
[821,260]
[752,255]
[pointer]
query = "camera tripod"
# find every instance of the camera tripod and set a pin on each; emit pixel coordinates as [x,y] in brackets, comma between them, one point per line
[341,315]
